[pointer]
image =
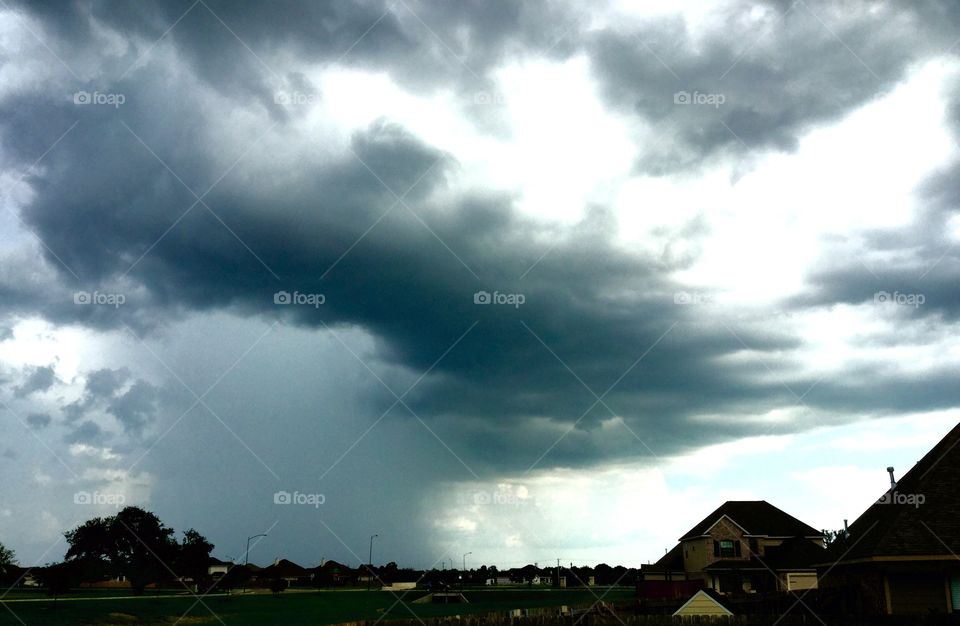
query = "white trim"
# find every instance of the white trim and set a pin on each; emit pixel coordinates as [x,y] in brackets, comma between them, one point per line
[709,597]
[712,526]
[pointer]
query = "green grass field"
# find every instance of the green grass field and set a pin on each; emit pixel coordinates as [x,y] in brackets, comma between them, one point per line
[290,608]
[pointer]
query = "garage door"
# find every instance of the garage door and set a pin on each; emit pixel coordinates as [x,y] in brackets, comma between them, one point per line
[801,581]
[917,594]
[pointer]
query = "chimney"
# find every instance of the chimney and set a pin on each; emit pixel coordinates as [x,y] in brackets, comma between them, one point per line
[845,529]
[893,483]
[276,561]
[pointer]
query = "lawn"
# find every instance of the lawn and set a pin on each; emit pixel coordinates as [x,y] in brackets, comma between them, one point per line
[289,609]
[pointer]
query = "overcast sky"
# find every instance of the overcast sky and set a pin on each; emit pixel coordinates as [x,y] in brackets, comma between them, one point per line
[527,280]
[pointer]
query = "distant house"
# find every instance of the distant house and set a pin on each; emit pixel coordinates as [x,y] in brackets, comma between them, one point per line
[217,568]
[333,574]
[900,555]
[704,603]
[16,576]
[743,547]
[286,570]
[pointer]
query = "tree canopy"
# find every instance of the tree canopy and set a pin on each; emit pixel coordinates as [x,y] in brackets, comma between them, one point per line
[136,544]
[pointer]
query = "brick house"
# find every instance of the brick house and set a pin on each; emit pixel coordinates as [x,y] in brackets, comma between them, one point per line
[744,547]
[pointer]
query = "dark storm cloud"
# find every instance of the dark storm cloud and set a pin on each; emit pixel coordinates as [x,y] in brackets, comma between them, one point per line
[597,308]
[39,379]
[912,271]
[592,310]
[85,432]
[758,84]
[136,407]
[134,402]
[103,383]
[234,46]
[38,420]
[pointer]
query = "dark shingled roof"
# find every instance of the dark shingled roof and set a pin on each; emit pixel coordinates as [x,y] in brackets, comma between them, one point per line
[756,517]
[897,526]
[670,562]
[796,553]
[284,569]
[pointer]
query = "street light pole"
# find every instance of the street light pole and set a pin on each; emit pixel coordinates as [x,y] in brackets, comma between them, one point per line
[246,555]
[370,562]
[465,555]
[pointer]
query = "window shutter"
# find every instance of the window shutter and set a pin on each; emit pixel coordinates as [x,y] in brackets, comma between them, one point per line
[736,548]
[716,548]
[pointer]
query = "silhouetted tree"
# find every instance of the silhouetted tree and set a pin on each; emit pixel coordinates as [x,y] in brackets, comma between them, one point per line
[135,542]
[58,578]
[193,556]
[8,566]
[277,585]
[835,536]
[236,576]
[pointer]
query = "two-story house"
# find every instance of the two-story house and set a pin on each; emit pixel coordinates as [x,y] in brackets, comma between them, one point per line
[744,546]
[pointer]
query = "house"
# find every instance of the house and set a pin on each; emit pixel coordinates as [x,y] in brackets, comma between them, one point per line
[217,568]
[900,555]
[333,574]
[704,603]
[16,576]
[284,569]
[743,546]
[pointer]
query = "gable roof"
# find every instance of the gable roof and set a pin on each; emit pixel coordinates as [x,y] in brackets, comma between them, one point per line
[919,518]
[708,594]
[672,561]
[331,567]
[794,553]
[755,517]
[284,569]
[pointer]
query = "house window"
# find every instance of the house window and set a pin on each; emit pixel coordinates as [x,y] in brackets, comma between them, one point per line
[726,548]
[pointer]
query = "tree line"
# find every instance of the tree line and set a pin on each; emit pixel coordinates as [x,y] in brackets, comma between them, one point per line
[133,544]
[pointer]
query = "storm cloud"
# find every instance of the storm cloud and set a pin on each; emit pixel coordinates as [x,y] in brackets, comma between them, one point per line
[192,167]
